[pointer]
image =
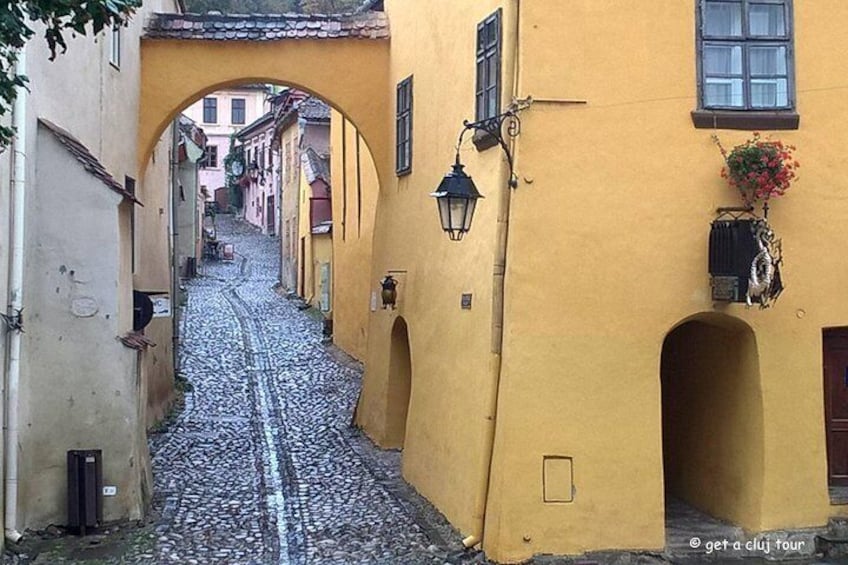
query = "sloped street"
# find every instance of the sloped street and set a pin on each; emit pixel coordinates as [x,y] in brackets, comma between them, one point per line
[262,465]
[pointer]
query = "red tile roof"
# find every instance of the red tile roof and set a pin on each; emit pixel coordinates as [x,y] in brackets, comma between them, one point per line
[88,161]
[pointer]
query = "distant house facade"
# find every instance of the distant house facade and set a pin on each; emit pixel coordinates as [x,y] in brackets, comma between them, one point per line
[301,122]
[222,114]
[316,230]
[190,198]
[260,182]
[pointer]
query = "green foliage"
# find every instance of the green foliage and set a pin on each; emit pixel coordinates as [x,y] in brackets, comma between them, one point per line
[58,17]
[233,187]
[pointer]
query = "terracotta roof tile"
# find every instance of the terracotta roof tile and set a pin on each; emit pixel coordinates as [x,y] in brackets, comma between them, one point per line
[267,27]
[88,161]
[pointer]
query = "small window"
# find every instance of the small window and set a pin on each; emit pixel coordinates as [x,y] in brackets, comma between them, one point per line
[210,160]
[238,112]
[745,60]
[115,47]
[210,110]
[403,128]
[489,67]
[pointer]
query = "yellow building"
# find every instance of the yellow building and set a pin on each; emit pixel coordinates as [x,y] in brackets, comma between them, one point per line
[354,198]
[563,371]
[316,229]
[535,419]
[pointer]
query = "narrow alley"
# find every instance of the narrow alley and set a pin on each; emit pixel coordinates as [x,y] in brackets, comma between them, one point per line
[262,465]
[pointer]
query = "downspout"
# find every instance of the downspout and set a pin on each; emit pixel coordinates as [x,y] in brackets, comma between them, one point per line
[16,304]
[175,253]
[499,295]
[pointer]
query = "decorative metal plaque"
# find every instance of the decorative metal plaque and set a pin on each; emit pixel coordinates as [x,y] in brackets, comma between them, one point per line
[466,301]
[725,288]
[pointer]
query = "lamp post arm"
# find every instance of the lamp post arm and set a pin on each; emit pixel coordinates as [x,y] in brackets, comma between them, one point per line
[494,127]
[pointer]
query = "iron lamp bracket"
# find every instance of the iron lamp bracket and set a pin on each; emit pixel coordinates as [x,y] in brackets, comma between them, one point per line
[503,128]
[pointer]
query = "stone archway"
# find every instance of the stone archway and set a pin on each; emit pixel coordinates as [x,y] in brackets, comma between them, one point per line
[185,56]
[399,385]
[712,418]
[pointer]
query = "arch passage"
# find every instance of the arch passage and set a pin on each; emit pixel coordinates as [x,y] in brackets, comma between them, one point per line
[712,414]
[350,72]
[400,385]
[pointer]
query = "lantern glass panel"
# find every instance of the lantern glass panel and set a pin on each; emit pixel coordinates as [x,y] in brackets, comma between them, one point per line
[458,213]
[471,203]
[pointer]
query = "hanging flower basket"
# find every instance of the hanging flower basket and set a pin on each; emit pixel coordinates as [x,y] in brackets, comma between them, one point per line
[759,169]
[745,255]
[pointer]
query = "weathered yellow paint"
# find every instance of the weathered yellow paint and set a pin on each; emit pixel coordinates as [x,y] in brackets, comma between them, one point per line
[355,189]
[606,270]
[607,253]
[447,442]
[713,418]
[176,73]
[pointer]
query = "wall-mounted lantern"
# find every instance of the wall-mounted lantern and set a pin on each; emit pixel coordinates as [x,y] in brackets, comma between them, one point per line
[389,292]
[457,196]
[253,171]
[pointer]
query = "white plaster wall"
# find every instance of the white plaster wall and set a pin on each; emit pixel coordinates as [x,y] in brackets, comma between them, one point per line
[83,390]
[78,385]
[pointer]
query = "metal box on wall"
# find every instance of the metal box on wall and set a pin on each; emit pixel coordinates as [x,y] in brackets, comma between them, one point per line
[85,490]
[732,251]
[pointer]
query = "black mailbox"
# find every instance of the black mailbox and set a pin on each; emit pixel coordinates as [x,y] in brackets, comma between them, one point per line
[732,251]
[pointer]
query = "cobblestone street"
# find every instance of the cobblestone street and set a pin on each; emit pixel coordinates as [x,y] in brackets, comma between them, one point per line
[262,465]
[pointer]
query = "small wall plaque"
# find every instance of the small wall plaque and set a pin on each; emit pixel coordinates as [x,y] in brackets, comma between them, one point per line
[725,288]
[466,301]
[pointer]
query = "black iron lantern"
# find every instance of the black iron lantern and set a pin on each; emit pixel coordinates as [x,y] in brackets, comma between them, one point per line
[389,292]
[456,197]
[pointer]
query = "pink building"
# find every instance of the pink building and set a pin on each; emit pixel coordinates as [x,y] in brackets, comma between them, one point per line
[222,114]
[262,179]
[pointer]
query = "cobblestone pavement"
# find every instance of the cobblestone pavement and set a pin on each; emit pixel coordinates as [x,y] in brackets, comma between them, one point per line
[262,465]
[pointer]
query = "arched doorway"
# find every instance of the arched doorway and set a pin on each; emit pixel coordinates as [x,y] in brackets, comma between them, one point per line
[712,418]
[400,385]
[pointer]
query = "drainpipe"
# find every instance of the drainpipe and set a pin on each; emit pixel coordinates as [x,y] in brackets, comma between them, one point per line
[498,297]
[173,241]
[16,277]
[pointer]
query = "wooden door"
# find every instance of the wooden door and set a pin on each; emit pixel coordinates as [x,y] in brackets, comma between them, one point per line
[836,404]
[270,222]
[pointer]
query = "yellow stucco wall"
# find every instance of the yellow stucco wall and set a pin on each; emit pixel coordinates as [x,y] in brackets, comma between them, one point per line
[449,423]
[620,192]
[355,191]
[153,274]
[177,73]
[713,418]
[606,255]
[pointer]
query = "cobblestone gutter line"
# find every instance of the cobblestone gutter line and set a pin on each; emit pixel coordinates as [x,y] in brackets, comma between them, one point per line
[259,365]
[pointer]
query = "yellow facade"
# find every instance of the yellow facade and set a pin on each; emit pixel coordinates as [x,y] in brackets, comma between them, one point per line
[590,293]
[355,190]
[606,256]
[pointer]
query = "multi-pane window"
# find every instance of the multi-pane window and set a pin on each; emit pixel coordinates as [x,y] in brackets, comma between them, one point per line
[210,160]
[238,113]
[746,54]
[210,110]
[403,143]
[489,67]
